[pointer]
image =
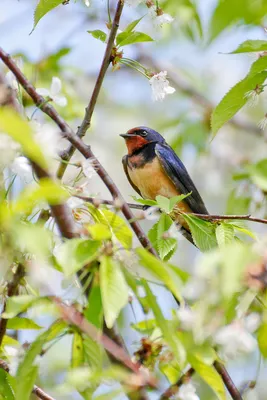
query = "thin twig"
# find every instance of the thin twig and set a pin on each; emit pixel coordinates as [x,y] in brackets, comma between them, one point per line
[209,217]
[61,212]
[12,287]
[70,314]
[232,389]
[174,389]
[91,106]
[36,389]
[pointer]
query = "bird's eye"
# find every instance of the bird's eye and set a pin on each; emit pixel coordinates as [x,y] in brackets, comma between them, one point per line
[143,133]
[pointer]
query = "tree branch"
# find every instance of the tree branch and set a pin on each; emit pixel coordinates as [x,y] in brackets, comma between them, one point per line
[36,389]
[91,106]
[232,389]
[61,212]
[12,287]
[209,217]
[174,389]
[70,314]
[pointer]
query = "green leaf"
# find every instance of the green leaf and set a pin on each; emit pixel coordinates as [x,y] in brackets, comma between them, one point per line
[18,304]
[209,375]
[224,234]
[245,231]
[237,204]
[167,330]
[258,66]
[76,253]
[27,372]
[145,202]
[99,231]
[250,46]
[77,353]
[58,327]
[94,310]
[258,173]
[43,7]
[132,25]
[229,12]
[234,100]
[47,190]
[203,232]
[126,38]
[145,327]
[114,289]
[161,271]
[119,228]
[164,245]
[22,323]
[235,259]
[20,130]
[262,339]
[98,34]
[6,390]
[167,205]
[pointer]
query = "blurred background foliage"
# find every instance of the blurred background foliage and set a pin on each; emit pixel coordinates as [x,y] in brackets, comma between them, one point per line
[194,50]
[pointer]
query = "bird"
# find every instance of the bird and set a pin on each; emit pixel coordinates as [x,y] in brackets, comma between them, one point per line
[153,168]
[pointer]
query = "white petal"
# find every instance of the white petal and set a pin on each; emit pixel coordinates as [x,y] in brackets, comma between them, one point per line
[87,3]
[60,101]
[55,86]
[88,168]
[169,90]
[22,168]
[12,81]
[43,92]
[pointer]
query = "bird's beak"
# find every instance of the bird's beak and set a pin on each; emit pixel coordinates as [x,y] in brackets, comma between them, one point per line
[127,135]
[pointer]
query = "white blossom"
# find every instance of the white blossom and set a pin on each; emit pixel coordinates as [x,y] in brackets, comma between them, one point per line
[74,202]
[263,123]
[87,3]
[14,356]
[48,137]
[160,86]
[159,17]
[21,167]
[54,92]
[10,77]
[235,339]
[133,3]
[252,97]
[186,318]
[187,392]
[12,81]
[88,169]
[8,149]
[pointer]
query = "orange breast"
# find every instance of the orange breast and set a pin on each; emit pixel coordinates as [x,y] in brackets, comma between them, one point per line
[152,181]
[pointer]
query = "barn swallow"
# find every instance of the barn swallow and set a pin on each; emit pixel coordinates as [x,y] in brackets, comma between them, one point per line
[153,168]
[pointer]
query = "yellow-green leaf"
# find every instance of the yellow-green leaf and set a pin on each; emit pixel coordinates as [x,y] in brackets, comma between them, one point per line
[20,130]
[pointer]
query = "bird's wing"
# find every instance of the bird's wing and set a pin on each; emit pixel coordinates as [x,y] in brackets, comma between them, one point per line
[124,163]
[178,174]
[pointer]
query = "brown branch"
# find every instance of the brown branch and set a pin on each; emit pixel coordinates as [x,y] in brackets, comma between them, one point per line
[61,212]
[12,287]
[36,389]
[174,389]
[73,316]
[91,106]
[232,389]
[209,217]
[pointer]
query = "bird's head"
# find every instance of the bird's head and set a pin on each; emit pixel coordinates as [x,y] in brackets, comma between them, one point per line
[138,137]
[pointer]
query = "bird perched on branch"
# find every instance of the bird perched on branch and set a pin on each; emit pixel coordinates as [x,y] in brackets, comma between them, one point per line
[153,169]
